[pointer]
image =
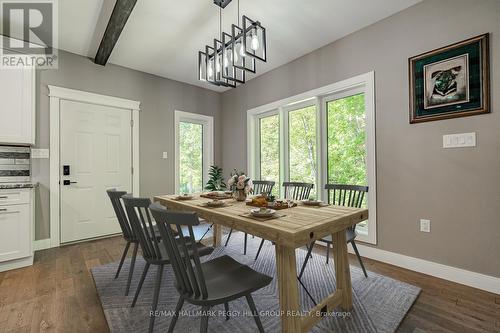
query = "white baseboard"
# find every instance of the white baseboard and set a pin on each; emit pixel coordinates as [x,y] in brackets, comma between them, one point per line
[458,275]
[16,263]
[41,244]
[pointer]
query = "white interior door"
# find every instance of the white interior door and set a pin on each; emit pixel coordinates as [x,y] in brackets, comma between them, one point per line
[96,145]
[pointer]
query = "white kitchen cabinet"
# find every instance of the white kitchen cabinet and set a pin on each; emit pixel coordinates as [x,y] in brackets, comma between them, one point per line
[17,106]
[16,228]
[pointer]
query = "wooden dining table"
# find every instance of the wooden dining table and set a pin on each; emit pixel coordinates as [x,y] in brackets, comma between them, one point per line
[293,228]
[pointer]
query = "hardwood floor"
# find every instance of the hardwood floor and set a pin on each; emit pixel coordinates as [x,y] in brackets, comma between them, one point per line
[57,294]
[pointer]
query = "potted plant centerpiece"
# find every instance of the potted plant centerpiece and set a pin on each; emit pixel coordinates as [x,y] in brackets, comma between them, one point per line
[215,181]
[240,184]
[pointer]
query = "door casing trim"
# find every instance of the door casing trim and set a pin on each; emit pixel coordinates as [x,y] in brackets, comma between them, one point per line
[56,94]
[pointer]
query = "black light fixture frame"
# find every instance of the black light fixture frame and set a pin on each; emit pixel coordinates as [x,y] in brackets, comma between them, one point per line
[209,56]
[222,3]
[249,65]
[248,26]
[218,59]
[202,54]
[233,73]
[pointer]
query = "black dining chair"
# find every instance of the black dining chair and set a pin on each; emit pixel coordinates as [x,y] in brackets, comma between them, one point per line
[152,247]
[342,195]
[217,281]
[263,186]
[260,187]
[127,233]
[295,191]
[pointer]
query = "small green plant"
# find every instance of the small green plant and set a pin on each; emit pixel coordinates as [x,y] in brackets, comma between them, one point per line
[216,180]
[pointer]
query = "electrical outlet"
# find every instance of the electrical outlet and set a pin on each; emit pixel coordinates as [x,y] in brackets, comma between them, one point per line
[425,225]
[165,155]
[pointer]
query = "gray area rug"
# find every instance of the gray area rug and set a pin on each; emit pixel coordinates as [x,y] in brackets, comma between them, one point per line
[379,302]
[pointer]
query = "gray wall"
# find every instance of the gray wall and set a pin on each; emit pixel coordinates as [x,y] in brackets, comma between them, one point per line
[458,189]
[159,98]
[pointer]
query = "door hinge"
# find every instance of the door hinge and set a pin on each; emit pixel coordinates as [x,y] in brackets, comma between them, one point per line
[132,170]
[131,122]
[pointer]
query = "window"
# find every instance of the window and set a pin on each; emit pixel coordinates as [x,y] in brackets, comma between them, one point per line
[190,157]
[346,142]
[269,135]
[302,157]
[193,151]
[323,136]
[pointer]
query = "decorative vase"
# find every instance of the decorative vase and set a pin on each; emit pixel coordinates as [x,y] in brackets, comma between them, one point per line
[240,195]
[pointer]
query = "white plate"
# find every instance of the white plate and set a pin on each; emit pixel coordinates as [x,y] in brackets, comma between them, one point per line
[215,203]
[257,212]
[311,202]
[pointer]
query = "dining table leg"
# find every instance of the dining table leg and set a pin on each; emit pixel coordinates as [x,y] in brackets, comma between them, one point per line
[288,289]
[342,270]
[217,235]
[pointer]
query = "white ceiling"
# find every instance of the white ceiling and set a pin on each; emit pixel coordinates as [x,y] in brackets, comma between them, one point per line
[163,37]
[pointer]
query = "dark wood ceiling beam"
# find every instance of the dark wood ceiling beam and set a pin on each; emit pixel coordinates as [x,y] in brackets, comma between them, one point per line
[119,16]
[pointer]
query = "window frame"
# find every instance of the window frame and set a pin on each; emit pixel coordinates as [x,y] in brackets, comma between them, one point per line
[207,123]
[286,114]
[258,141]
[364,83]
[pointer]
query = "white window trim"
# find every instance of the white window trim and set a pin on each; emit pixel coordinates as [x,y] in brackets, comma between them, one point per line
[364,82]
[208,141]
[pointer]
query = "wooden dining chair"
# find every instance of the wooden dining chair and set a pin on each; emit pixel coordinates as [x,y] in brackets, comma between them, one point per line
[295,191]
[127,233]
[217,281]
[152,247]
[342,195]
[260,187]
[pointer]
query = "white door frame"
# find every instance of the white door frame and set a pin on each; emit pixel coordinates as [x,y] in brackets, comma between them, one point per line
[56,94]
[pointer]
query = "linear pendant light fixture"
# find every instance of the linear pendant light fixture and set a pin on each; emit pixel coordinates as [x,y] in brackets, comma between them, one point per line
[226,61]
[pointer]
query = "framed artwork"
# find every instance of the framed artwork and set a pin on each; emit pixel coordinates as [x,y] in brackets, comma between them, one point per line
[450,82]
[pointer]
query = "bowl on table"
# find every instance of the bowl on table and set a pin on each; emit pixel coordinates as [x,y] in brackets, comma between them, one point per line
[262,212]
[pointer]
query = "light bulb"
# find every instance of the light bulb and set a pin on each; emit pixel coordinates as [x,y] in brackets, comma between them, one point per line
[236,55]
[242,50]
[210,70]
[226,60]
[217,66]
[254,44]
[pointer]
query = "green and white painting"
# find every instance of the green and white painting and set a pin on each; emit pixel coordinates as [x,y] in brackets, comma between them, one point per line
[450,82]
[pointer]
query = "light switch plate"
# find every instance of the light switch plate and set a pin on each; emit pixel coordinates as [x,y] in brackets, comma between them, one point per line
[165,155]
[425,225]
[39,153]
[461,140]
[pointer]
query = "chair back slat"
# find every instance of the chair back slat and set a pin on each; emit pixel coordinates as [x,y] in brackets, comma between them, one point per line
[115,197]
[176,261]
[263,186]
[297,191]
[346,195]
[184,254]
[142,224]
